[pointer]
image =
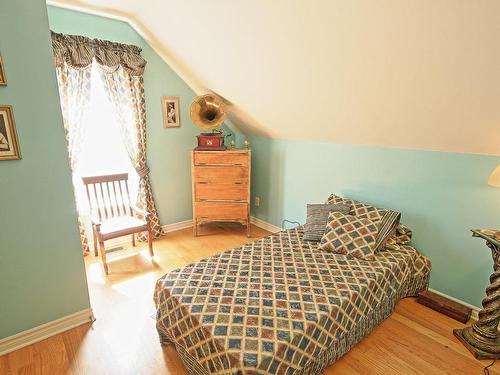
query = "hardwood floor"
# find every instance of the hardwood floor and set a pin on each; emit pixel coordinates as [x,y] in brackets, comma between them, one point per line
[123,340]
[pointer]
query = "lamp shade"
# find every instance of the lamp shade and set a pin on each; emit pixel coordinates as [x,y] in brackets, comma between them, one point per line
[494,179]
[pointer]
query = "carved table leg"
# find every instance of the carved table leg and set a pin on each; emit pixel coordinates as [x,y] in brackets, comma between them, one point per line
[482,338]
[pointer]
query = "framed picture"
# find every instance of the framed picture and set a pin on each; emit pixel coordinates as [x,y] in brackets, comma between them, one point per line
[3,77]
[9,145]
[170,107]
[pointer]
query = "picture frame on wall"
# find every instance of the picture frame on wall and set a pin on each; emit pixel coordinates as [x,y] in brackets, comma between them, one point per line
[171,112]
[3,77]
[9,144]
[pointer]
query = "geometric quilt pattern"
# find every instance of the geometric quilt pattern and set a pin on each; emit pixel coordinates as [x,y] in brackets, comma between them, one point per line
[402,236]
[350,235]
[276,305]
[385,218]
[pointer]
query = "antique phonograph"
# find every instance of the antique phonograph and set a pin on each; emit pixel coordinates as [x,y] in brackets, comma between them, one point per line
[208,113]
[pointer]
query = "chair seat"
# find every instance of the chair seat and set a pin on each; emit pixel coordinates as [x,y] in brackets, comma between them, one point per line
[122,224]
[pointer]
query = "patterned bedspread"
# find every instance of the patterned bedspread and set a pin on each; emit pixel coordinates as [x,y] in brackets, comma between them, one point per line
[279,305]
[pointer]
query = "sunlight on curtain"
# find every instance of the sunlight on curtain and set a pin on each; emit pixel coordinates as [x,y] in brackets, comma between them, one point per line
[102,148]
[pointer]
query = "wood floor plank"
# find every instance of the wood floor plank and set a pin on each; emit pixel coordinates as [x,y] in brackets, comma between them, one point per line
[123,340]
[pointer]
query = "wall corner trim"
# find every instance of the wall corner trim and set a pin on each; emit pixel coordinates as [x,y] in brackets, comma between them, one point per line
[44,331]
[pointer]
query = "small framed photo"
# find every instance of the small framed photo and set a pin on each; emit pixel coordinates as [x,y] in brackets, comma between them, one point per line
[9,145]
[3,77]
[170,107]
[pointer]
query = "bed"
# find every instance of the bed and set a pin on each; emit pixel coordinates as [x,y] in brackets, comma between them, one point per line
[280,305]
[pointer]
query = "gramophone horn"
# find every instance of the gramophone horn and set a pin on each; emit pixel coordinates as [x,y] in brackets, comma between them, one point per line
[207,112]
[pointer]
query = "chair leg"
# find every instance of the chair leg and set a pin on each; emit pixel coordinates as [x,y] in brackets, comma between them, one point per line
[150,242]
[103,257]
[133,240]
[96,249]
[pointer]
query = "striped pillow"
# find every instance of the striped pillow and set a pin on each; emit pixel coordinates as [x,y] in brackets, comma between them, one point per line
[317,218]
[387,228]
[385,218]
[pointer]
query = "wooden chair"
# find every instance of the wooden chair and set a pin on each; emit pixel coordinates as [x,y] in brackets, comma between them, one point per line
[112,213]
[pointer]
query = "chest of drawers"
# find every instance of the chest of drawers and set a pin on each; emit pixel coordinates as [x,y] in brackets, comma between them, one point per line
[221,186]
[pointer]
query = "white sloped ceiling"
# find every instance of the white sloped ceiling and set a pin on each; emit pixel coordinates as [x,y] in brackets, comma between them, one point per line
[407,74]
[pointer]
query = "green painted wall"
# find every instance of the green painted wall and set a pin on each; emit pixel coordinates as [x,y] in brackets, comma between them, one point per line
[441,196]
[168,149]
[42,275]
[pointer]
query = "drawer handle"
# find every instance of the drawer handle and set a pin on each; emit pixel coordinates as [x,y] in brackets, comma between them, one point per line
[202,182]
[238,183]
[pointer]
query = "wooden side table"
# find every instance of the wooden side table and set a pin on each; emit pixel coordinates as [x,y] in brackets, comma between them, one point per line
[482,338]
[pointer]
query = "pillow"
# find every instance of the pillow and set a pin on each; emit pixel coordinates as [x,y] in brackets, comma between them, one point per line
[387,228]
[402,236]
[317,218]
[387,219]
[350,235]
[359,209]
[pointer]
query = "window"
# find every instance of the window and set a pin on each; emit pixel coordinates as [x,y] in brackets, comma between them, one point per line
[102,149]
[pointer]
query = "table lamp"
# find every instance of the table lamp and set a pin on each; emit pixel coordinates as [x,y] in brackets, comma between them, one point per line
[494,179]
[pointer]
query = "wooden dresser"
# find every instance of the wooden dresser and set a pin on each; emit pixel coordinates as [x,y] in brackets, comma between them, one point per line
[221,186]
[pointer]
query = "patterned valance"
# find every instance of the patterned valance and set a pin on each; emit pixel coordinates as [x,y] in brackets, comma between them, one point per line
[79,51]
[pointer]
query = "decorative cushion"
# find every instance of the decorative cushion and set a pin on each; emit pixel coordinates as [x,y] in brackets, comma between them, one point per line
[386,219]
[317,218]
[401,237]
[359,209]
[350,235]
[387,228]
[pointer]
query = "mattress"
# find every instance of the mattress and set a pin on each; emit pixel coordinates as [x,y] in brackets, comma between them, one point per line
[280,305]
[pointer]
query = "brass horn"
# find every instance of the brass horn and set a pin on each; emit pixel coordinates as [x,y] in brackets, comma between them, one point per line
[208,112]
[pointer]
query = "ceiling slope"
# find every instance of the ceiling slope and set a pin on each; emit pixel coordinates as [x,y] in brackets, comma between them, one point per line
[413,74]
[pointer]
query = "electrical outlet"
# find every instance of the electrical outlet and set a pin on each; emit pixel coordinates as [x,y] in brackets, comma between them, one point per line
[257,201]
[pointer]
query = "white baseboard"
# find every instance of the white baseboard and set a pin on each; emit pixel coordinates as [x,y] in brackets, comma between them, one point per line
[177,226]
[189,223]
[475,309]
[44,331]
[265,225]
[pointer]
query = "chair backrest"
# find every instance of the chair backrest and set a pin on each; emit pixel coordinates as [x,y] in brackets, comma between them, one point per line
[108,195]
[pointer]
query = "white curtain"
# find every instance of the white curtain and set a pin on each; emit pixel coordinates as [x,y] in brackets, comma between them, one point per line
[74,92]
[126,93]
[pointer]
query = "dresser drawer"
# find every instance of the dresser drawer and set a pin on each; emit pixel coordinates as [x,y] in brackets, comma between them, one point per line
[220,158]
[234,191]
[220,173]
[206,211]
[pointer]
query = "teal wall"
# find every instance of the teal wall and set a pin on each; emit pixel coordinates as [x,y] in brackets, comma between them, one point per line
[441,196]
[42,275]
[168,149]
